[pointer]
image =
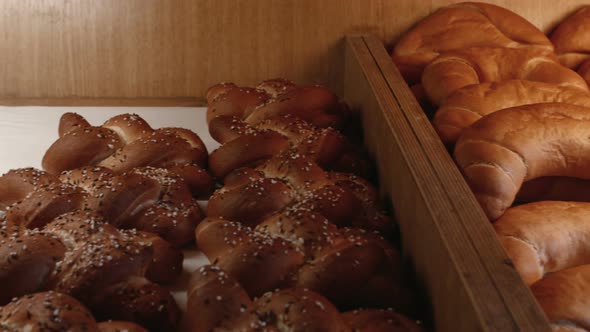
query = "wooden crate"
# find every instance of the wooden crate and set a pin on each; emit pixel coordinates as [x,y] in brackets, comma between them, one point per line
[468,277]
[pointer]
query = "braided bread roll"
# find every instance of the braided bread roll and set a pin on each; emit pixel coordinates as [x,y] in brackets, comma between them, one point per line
[347,266]
[286,117]
[469,104]
[562,295]
[313,104]
[459,68]
[545,237]
[294,182]
[97,264]
[150,199]
[52,311]
[504,149]
[224,305]
[572,37]
[125,142]
[463,25]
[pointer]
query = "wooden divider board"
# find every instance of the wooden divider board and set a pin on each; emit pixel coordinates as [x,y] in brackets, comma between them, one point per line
[463,268]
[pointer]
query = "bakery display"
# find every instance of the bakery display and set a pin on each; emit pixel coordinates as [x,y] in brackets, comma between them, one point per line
[295,225]
[515,118]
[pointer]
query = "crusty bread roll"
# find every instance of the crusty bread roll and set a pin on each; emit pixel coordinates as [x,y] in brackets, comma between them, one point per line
[584,70]
[545,237]
[467,105]
[459,68]
[380,321]
[571,38]
[124,142]
[562,295]
[217,302]
[503,149]
[463,25]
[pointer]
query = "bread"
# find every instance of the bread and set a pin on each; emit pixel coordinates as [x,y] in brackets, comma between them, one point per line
[313,104]
[94,262]
[545,237]
[245,145]
[463,25]
[469,104]
[289,117]
[506,148]
[380,321]
[125,142]
[295,183]
[562,296]
[459,68]
[584,70]
[52,311]
[349,267]
[149,199]
[572,37]
[217,302]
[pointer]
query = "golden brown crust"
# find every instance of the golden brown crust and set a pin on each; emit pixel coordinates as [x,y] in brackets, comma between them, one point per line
[562,295]
[571,38]
[463,25]
[47,311]
[459,68]
[504,149]
[127,141]
[469,104]
[166,265]
[545,237]
[375,320]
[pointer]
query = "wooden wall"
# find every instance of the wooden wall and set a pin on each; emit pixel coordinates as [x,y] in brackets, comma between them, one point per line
[177,48]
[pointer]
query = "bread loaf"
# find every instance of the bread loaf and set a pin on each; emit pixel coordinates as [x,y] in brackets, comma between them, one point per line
[288,117]
[463,25]
[293,182]
[545,237]
[459,68]
[216,302]
[469,104]
[562,296]
[506,148]
[94,262]
[125,142]
[52,311]
[348,267]
[571,38]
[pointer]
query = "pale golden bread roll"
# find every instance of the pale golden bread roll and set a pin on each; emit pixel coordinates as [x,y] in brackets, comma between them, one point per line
[459,68]
[562,295]
[463,25]
[545,237]
[469,104]
[502,150]
[571,38]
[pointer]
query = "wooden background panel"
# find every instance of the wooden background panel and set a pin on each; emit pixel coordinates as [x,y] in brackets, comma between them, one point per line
[177,48]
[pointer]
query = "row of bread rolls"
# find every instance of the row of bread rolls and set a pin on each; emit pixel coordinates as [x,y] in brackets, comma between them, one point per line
[106,220]
[517,116]
[291,240]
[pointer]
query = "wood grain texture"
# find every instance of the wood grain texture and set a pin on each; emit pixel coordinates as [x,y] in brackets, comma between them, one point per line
[467,275]
[178,48]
